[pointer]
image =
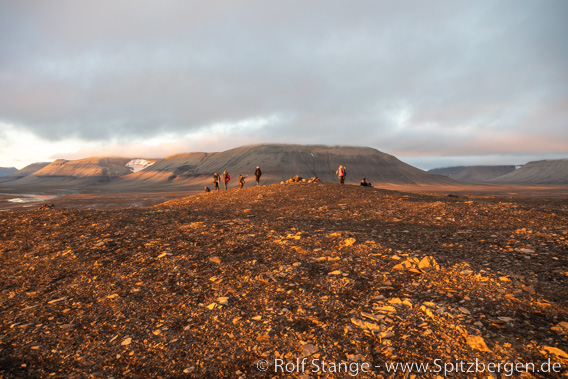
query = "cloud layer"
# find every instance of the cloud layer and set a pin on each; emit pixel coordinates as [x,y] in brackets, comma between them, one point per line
[411,78]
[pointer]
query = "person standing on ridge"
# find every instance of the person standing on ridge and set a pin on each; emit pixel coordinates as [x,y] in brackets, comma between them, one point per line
[216,181]
[241,181]
[257,174]
[341,174]
[226,178]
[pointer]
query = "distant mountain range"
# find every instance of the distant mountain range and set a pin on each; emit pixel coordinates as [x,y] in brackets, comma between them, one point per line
[538,172]
[5,171]
[278,162]
[473,174]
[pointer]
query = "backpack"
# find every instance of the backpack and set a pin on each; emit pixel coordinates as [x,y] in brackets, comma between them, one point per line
[228,177]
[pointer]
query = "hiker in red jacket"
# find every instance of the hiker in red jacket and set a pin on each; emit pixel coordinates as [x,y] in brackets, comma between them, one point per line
[226,178]
[341,173]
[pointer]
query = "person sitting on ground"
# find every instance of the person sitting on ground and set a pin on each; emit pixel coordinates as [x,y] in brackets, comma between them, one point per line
[364,183]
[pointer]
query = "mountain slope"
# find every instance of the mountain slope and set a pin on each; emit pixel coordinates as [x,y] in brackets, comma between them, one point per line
[195,170]
[77,172]
[538,172]
[473,173]
[5,171]
[279,162]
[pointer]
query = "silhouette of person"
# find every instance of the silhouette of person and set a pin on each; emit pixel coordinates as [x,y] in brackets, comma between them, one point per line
[257,174]
[216,181]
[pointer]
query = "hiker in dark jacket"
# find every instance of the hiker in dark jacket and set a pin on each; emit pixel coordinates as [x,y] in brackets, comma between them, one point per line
[257,174]
[216,181]
[364,183]
[241,181]
[226,178]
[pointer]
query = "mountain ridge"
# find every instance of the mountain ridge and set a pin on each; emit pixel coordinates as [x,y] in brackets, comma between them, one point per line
[548,172]
[278,162]
[473,174]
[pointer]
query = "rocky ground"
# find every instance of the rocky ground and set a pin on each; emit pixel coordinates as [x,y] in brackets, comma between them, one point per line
[295,280]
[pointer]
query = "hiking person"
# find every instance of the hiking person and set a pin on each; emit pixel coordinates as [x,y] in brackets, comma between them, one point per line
[226,178]
[341,174]
[364,183]
[241,181]
[216,181]
[257,175]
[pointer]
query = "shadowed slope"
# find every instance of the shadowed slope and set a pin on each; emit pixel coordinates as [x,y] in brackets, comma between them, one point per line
[473,174]
[539,172]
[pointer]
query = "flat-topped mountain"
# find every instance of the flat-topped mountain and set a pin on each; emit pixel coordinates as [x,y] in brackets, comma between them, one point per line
[29,169]
[473,174]
[538,172]
[62,173]
[278,162]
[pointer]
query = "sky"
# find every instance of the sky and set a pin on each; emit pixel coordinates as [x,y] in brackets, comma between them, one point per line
[434,83]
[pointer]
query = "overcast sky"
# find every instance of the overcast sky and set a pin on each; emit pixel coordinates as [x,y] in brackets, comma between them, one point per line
[435,83]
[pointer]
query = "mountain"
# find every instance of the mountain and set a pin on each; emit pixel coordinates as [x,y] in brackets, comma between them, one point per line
[5,171]
[28,170]
[278,163]
[69,173]
[473,174]
[538,172]
[19,174]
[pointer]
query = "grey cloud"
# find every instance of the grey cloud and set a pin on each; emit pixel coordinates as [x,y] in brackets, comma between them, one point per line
[335,72]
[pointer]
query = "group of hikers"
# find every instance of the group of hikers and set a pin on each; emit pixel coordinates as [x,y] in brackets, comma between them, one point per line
[226,177]
[342,174]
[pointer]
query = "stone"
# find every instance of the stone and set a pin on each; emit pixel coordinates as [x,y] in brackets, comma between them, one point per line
[223,300]
[556,351]
[126,341]
[477,343]
[529,289]
[349,242]
[309,349]
[215,260]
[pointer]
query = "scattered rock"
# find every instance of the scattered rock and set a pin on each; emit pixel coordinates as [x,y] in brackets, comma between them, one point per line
[237,277]
[477,342]
[309,349]
[215,260]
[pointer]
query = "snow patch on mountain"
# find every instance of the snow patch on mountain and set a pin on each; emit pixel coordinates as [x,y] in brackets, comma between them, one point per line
[139,164]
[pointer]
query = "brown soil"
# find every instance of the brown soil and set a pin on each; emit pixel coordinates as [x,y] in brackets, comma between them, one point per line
[211,285]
